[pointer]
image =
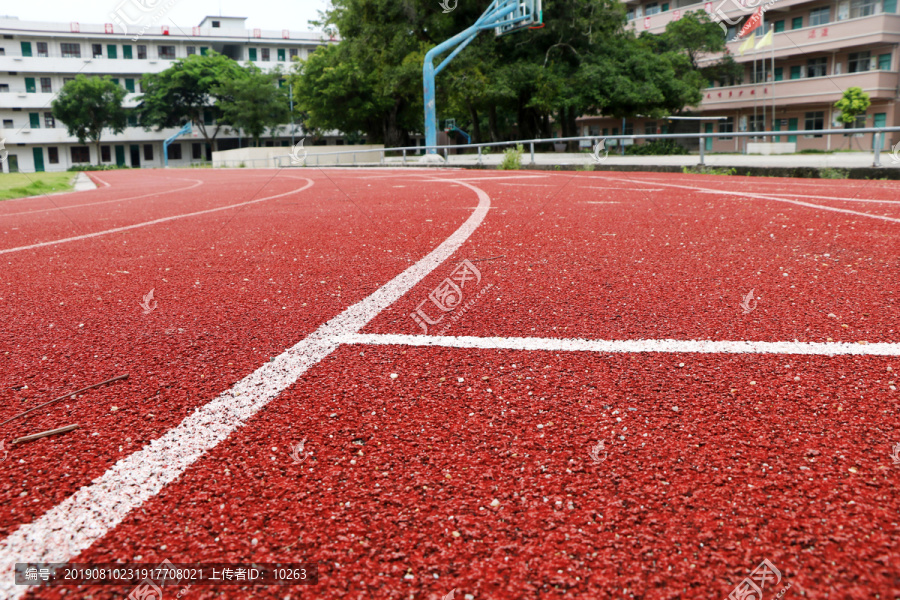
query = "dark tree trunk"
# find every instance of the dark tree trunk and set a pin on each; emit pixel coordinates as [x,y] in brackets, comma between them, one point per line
[492,123]
[476,126]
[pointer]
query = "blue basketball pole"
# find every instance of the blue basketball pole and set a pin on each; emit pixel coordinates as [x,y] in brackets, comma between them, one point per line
[492,17]
[188,128]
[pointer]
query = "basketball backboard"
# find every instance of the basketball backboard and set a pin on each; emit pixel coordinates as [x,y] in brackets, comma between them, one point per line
[528,13]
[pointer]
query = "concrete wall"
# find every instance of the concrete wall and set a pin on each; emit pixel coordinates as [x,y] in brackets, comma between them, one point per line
[260,158]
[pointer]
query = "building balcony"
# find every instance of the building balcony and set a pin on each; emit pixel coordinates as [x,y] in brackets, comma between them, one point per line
[833,37]
[880,85]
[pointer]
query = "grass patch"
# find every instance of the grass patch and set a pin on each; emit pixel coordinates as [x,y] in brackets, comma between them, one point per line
[19,185]
[705,170]
[829,173]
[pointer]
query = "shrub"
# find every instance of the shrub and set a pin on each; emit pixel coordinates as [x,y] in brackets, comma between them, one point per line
[657,147]
[512,158]
[829,173]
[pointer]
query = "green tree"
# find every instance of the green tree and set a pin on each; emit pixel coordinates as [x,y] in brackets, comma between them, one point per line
[88,105]
[853,103]
[186,91]
[254,102]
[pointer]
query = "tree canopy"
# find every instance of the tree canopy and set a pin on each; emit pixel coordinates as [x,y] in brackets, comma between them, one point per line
[188,91]
[582,61]
[254,102]
[88,105]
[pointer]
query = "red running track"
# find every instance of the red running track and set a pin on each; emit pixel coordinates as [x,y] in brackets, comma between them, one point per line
[420,484]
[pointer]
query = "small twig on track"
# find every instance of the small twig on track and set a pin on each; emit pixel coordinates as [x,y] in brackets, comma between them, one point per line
[491,258]
[125,376]
[36,436]
[17,387]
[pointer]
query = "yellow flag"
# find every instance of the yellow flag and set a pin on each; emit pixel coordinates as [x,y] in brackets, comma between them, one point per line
[747,44]
[765,41]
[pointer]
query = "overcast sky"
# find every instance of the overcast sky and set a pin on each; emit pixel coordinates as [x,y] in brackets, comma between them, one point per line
[263,14]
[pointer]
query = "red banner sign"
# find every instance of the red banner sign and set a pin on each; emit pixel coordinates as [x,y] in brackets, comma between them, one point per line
[752,23]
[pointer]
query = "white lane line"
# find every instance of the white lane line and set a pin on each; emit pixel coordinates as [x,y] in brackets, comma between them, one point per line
[538,184]
[157,221]
[499,178]
[72,526]
[197,183]
[619,189]
[776,199]
[873,200]
[598,202]
[625,346]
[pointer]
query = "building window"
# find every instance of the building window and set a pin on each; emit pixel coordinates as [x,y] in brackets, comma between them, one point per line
[816,67]
[4,88]
[779,74]
[129,85]
[884,62]
[819,16]
[861,8]
[126,52]
[53,155]
[779,26]
[191,50]
[651,9]
[196,151]
[726,126]
[761,72]
[112,51]
[796,70]
[629,14]
[49,121]
[81,154]
[252,52]
[281,55]
[815,120]
[7,123]
[29,85]
[203,50]
[70,50]
[97,50]
[797,23]
[166,52]
[42,50]
[46,85]
[174,152]
[2,51]
[148,151]
[67,80]
[105,154]
[266,54]
[859,62]
[35,120]
[756,123]
[142,52]
[216,23]
[889,6]
[26,49]
[293,53]
[132,119]
[650,128]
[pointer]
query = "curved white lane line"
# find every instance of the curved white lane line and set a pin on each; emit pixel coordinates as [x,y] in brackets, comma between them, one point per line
[197,183]
[72,526]
[627,346]
[157,221]
[769,197]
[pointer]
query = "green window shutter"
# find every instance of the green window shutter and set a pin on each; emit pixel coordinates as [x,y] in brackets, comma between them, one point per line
[29,85]
[115,80]
[281,54]
[884,62]
[779,26]
[665,6]
[132,120]
[26,48]
[797,23]
[890,6]
[605,131]
[35,120]
[129,85]
[253,54]
[779,74]
[203,50]
[207,117]
[112,51]
[795,71]
[126,52]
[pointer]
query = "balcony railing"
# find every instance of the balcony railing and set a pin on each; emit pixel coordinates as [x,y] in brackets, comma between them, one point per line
[810,90]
